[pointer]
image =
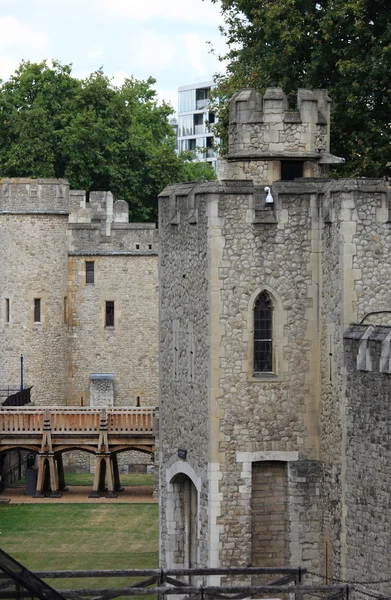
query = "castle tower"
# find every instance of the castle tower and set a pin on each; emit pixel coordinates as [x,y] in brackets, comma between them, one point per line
[34,277]
[269,142]
[260,402]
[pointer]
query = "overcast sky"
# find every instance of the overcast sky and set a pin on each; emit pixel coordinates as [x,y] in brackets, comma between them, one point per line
[166,39]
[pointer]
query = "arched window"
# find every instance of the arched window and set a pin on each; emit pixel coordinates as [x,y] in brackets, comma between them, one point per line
[263,334]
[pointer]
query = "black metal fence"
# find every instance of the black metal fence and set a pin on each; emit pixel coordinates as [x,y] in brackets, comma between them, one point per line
[17,582]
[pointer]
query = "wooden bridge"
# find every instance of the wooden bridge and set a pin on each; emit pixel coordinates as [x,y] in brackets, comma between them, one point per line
[49,432]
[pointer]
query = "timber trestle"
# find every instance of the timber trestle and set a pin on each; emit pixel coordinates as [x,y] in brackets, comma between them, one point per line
[49,432]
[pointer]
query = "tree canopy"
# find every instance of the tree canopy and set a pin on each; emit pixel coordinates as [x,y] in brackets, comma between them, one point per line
[96,135]
[341,45]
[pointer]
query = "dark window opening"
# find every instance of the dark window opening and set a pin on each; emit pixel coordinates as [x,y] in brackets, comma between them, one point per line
[7,310]
[90,271]
[65,315]
[109,313]
[37,310]
[263,343]
[149,246]
[291,169]
[137,246]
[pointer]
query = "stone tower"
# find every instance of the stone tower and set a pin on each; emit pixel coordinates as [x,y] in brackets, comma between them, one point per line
[255,297]
[78,296]
[269,142]
[34,279]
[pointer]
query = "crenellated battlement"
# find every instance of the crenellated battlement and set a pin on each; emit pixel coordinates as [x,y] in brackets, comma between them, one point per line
[265,126]
[268,141]
[26,194]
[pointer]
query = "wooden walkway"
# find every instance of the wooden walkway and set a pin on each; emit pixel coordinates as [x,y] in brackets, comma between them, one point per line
[49,432]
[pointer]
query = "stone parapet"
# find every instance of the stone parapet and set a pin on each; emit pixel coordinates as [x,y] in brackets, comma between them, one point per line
[24,195]
[264,126]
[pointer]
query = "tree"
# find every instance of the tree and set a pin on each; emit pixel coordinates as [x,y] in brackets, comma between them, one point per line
[341,45]
[96,135]
[194,170]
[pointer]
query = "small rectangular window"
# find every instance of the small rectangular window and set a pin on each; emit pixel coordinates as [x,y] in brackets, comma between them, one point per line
[37,310]
[109,313]
[65,310]
[291,169]
[90,271]
[175,339]
[7,310]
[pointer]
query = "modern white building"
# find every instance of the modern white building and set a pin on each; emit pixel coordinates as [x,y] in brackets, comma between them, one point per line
[195,121]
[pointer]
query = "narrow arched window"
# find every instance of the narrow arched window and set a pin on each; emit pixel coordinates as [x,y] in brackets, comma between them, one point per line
[263,334]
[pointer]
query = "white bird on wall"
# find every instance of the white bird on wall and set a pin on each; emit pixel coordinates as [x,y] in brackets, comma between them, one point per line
[269,197]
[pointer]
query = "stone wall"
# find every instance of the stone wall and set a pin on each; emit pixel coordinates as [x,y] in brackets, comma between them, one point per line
[47,235]
[265,124]
[321,254]
[368,456]
[218,265]
[355,271]
[184,354]
[33,259]
[129,349]
[263,131]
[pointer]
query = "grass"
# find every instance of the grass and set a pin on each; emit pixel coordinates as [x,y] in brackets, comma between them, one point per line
[88,479]
[81,536]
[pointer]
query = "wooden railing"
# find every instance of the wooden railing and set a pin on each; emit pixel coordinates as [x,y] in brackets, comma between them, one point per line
[76,420]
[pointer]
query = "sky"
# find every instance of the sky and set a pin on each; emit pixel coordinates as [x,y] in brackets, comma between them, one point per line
[165,39]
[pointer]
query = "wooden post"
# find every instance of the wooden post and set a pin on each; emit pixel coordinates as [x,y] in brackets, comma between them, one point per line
[54,493]
[39,491]
[110,477]
[96,486]
[60,470]
[117,482]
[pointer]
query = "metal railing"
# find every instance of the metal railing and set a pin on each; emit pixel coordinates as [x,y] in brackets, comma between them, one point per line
[164,583]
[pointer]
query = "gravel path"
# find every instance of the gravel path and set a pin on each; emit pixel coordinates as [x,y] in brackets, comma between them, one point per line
[79,495]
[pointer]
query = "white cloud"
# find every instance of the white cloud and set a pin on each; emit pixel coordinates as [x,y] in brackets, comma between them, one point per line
[118,77]
[95,53]
[169,96]
[155,51]
[15,34]
[195,12]
[7,66]
[196,48]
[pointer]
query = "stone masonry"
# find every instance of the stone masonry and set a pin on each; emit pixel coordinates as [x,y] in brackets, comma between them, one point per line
[319,251]
[54,313]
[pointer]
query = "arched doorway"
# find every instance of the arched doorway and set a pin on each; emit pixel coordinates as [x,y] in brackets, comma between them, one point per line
[183,505]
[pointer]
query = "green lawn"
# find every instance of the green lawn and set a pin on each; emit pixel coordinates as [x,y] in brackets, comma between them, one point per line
[88,479]
[81,536]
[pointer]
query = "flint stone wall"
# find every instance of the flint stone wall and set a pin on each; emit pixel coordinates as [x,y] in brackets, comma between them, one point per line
[368,454]
[356,241]
[251,415]
[183,409]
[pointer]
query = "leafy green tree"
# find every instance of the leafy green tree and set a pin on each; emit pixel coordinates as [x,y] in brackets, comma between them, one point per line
[341,45]
[193,170]
[97,136]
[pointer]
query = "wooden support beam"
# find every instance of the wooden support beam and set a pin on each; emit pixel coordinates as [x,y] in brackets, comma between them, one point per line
[117,482]
[60,470]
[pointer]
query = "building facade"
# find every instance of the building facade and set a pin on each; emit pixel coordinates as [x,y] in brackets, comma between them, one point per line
[271,451]
[195,121]
[78,296]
